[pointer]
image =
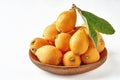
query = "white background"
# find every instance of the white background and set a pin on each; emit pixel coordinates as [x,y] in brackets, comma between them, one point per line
[23,20]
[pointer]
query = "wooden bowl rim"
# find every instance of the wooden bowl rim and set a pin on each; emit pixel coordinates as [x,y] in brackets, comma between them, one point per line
[90,67]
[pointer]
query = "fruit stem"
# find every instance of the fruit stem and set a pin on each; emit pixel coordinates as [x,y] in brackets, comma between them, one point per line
[74,6]
[72,59]
[79,10]
[86,57]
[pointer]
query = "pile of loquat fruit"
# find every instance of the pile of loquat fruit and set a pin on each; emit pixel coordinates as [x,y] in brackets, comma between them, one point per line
[64,43]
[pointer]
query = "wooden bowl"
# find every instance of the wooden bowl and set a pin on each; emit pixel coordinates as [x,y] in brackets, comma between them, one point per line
[63,70]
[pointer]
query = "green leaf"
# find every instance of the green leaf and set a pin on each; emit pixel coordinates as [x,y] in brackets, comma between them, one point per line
[99,24]
[93,35]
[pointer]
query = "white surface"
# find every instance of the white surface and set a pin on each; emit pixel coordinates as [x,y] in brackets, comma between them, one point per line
[23,20]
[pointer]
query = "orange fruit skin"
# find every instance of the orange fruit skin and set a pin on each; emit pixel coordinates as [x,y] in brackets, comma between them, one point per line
[74,30]
[101,43]
[71,32]
[85,27]
[37,43]
[70,59]
[49,54]
[50,32]
[66,21]
[92,55]
[79,42]
[62,42]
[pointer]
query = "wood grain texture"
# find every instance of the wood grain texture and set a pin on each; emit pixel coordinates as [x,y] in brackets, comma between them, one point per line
[63,70]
